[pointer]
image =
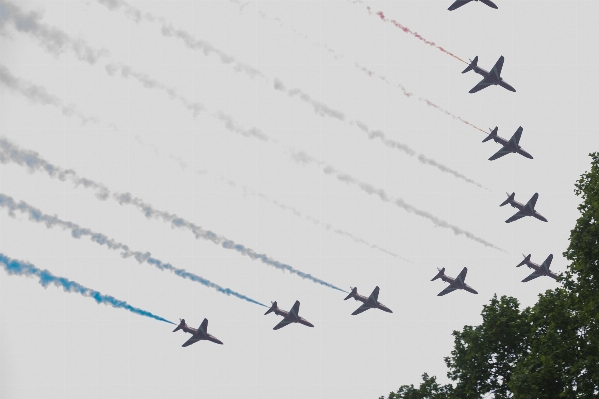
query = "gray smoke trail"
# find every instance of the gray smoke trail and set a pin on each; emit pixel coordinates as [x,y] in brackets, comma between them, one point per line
[303,158]
[312,219]
[323,110]
[11,153]
[281,205]
[46,278]
[187,38]
[196,108]
[150,83]
[319,108]
[77,231]
[53,39]
[39,94]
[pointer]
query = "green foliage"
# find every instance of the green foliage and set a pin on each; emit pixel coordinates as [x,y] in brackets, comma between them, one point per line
[550,350]
[429,389]
[484,356]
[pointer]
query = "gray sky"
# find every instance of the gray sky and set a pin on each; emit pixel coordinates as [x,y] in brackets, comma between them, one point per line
[313,135]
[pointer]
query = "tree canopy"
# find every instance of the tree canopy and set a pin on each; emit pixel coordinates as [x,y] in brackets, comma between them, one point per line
[549,350]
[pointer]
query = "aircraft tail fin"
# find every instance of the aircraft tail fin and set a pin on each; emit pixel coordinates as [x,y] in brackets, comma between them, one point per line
[510,197]
[441,273]
[492,135]
[354,291]
[272,308]
[524,261]
[181,325]
[473,63]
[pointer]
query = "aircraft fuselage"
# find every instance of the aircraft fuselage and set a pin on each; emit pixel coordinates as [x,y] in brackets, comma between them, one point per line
[542,269]
[371,302]
[492,79]
[527,210]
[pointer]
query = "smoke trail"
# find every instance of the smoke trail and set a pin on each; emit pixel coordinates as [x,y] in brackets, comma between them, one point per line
[77,231]
[40,95]
[281,205]
[319,108]
[323,110]
[410,95]
[53,39]
[303,158]
[196,108]
[335,54]
[46,278]
[415,34]
[11,153]
[150,83]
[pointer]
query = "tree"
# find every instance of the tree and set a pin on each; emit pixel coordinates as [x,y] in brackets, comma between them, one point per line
[484,356]
[429,389]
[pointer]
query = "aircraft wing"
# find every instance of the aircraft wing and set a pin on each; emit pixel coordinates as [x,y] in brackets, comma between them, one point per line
[462,276]
[447,290]
[458,4]
[496,70]
[481,85]
[517,216]
[489,3]
[191,340]
[361,309]
[375,294]
[517,135]
[282,324]
[532,276]
[295,308]
[204,325]
[503,151]
[533,200]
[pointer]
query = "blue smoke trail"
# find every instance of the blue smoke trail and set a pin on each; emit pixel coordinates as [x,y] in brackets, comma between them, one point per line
[46,278]
[77,231]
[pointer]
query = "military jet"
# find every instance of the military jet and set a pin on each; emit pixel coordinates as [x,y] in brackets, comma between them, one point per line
[489,78]
[542,270]
[454,284]
[509,146]
[523,210]
[371,302]
[459,3]
[197,335]
[288,317]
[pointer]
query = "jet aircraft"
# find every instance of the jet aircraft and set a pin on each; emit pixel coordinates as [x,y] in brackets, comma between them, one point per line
[197,335]
[489,78]
[288,317]
[454,284]
[371,302]
[509,146]
[542,270]
[523,210]
[459,3]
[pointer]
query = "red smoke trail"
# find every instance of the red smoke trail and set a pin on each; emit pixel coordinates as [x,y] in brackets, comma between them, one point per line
[415,34]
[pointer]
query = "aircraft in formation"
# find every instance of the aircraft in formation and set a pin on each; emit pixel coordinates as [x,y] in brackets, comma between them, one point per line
[523,210]
[372,302]
[288,317]
[509,146]
[459,283]
[459,3]
[197,335]
[542,270]
[489,78]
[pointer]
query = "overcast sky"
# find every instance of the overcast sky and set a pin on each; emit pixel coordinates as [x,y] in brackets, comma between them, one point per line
[236,139]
